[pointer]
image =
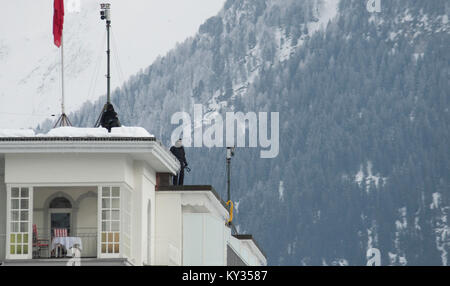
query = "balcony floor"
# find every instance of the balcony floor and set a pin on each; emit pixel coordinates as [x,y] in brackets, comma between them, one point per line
[64,261]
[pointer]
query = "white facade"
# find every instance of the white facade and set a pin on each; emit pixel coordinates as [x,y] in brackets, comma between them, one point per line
[191,230]
[109,188]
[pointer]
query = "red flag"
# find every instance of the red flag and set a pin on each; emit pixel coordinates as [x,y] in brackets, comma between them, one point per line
[58,21]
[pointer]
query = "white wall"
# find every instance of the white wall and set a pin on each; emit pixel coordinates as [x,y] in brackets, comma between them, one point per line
[247,251]
[190,229]
[193,239]
[144,192]
[87,226]
[203,240]
[63,168]
[149,202]
[2,210]
[168,235]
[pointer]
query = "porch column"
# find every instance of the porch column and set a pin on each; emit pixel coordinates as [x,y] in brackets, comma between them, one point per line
[19,219]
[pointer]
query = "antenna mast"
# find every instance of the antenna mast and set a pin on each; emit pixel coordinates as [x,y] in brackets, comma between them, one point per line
[108,117]
[106,14]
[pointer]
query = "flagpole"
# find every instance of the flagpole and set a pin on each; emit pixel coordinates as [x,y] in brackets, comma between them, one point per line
[63,119]
[62,75]
[58,20]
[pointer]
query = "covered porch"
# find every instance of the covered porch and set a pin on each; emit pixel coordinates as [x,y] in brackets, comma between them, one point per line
[100,189]
[93,218]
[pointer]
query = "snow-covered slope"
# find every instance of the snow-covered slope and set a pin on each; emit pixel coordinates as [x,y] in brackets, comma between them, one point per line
[30,78]
[323,11]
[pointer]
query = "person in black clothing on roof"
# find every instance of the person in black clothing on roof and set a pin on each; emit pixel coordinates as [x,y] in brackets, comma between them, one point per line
[109,118]
[178,151]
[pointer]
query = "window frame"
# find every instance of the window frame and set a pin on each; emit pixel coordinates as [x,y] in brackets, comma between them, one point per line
[100,221]
[9,198]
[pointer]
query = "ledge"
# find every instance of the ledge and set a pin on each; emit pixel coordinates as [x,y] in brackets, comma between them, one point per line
[193,188]
[249,237]
[64,261]
[140,148]
[28,139]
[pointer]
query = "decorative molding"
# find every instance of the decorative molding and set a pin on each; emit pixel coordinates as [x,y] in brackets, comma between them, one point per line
[140,148]
[89,194]
[58,194]
[47,208]
[203,199]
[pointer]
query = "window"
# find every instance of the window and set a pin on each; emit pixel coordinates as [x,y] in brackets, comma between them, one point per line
[110,229]
[60,203]
[19,221]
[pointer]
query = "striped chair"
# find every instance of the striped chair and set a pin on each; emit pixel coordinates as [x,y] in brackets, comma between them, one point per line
[59,232]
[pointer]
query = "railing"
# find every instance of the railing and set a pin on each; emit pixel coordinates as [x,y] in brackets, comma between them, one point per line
[88,237]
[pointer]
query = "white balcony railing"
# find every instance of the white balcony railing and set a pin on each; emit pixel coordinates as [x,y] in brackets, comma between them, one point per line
[88,239]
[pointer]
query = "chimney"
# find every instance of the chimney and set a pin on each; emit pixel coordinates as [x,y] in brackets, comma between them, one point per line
[163,180]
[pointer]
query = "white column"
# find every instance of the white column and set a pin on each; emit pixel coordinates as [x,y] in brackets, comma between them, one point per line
[8,222]
[99,221]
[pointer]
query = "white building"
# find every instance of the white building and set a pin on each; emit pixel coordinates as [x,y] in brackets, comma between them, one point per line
[112,192]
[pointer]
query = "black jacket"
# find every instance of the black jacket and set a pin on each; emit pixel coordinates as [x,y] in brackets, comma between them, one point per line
[180,154]
[109,118]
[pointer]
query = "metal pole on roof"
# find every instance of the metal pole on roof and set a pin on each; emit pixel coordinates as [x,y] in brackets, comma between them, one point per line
[108,51]
[62,74]
[63,119]
[105,14]
[230,154]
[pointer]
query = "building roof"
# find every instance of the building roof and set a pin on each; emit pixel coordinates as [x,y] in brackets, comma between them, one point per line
[134,141]
[249,237]
[194,188]
[78,132]
[30,139]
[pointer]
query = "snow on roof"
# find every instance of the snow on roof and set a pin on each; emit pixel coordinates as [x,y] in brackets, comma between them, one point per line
[16,133]
[79,132]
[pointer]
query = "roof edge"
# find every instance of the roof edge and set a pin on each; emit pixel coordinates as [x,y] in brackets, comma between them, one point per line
[252,239]
[35,139]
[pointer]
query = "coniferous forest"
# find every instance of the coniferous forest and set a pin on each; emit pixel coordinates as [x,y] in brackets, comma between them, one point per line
[364,124]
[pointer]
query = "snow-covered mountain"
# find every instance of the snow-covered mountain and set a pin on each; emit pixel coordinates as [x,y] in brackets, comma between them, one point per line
[364,114]
[320,13]
[30,71]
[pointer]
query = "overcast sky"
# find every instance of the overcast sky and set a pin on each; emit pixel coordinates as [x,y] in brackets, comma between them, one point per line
[165,22]
[30,63]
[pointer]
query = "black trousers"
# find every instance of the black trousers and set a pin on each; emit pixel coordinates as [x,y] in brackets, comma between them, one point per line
[178,180]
